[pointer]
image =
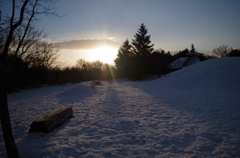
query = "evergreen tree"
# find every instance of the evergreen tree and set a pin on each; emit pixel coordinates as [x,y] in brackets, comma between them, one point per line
[235,52]
[122,61]
[182,53]
[192,48]
[159,61]
[142,48]
[141,44]
[133,60]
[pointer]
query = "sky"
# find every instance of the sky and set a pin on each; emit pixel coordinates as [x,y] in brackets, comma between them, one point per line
[173,25]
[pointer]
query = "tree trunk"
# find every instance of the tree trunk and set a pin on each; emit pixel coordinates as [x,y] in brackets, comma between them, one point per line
[10,144]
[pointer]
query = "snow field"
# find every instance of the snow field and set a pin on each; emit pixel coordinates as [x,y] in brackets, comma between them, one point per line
[193,112]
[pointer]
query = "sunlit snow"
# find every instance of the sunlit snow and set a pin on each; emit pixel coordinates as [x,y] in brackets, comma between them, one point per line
[192,112]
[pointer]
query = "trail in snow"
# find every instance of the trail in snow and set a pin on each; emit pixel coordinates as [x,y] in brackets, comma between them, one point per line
[158,118]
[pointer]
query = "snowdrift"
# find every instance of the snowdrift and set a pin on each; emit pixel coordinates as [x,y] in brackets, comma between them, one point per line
[216,75]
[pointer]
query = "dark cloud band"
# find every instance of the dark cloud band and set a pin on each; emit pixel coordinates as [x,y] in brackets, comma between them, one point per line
[87,44]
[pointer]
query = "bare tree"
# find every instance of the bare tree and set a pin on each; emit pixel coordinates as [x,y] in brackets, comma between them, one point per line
[28,11]
[35,50]
[222,51]
[83,64]
[44,56]
[88,65]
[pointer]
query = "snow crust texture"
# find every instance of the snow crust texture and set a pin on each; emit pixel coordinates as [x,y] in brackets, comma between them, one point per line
[193,112]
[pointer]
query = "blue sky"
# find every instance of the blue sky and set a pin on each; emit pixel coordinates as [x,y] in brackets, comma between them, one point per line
[173,24]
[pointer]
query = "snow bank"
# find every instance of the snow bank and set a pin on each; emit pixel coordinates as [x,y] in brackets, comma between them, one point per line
[208,93]
[216,75]
[193,112]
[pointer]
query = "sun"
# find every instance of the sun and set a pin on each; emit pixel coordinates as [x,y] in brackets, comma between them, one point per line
[105,54]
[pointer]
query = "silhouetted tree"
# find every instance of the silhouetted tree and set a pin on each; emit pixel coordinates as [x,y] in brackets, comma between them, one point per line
[122,62]
[28,10]
[142,48]
[181,53]
[83,64]
[141,43]
[235,52]
[17,76]
[222,51]
[44,56]
[88,65]
[133,59]
[34,50]
[92,70]
[159,61]
[192,48]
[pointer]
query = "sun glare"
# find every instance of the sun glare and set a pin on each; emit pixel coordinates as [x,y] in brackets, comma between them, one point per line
[105,54]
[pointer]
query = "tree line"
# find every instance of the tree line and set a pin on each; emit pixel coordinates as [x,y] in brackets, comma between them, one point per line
[23,75]
[35,63]
[225,51]
[138,59]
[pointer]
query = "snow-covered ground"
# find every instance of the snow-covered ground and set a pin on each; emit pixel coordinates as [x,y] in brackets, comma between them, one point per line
[193,112]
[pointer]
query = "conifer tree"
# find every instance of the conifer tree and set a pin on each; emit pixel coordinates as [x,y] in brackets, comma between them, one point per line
[192,48]
[141,44]
[123,57]
[142,49]
[133,60]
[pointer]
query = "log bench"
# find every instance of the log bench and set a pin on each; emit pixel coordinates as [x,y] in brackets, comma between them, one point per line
[52,120]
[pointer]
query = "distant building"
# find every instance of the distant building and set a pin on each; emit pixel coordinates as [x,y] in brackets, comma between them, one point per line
[188,59]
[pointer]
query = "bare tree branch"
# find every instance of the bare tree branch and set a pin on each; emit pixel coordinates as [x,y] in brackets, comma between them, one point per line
[26,29]
[13,28]
[222,51]
[15,39]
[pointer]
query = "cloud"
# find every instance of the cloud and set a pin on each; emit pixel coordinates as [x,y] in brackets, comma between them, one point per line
[87,44]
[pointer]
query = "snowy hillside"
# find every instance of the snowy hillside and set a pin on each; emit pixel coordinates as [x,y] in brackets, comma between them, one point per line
[193,112]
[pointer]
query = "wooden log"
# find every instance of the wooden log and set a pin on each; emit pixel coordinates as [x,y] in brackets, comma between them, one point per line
[52,120]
